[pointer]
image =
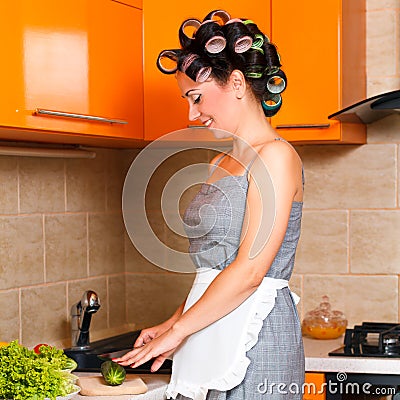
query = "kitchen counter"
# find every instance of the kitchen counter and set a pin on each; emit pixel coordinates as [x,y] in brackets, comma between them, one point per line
[156,385]
[317,360]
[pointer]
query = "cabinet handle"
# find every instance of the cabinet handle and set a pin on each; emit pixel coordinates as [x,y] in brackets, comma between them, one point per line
[197,126]
[41,111]
[303,126]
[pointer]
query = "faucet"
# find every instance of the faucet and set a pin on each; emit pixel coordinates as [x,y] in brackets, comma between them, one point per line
[81,315]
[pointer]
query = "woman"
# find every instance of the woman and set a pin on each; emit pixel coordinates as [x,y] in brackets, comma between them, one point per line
[237,336]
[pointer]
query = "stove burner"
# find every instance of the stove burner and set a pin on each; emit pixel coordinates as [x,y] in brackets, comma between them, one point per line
[371,339]
[391,344]
[391,339]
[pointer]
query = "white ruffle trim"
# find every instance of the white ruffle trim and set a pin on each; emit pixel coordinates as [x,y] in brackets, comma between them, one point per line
[257,308]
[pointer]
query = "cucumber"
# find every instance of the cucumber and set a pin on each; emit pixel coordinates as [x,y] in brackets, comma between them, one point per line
[113,373]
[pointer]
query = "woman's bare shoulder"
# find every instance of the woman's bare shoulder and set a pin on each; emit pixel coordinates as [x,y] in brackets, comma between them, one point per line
[279,153]
[216,158]
[282,163]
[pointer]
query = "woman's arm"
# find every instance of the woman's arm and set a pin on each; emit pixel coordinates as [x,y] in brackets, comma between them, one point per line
[148,334]
[242,277]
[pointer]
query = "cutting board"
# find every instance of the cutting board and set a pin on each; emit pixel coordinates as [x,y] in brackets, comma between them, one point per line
[96,386]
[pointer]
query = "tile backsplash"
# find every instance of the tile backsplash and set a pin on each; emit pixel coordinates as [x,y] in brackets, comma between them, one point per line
[349,248]
[62,231]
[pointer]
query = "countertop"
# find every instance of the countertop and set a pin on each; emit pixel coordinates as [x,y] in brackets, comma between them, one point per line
[317,360]
[156,385]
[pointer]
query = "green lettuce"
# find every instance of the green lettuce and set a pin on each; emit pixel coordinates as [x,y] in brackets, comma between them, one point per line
[26,375]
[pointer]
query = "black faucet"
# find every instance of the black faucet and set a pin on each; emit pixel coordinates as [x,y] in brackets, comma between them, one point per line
[81,316]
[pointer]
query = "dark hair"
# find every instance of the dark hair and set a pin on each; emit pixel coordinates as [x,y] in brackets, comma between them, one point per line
[218,48]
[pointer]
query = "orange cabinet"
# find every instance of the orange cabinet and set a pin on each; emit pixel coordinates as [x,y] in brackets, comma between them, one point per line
[322,48]
[80,62]
[132,3]
[314,387]
[164,108]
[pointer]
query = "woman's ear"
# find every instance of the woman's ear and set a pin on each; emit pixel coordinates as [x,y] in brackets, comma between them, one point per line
[238,83]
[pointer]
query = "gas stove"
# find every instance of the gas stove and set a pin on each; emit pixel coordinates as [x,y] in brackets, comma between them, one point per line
[371,339]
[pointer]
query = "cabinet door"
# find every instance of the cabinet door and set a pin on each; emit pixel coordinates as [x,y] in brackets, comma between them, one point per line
[164,108]
[76,57]
[116,66]
[315,387]
[12,68]
[312,44]
[44,59]
[132,3]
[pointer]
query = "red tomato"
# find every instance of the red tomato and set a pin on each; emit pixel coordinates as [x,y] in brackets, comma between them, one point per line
[36,349]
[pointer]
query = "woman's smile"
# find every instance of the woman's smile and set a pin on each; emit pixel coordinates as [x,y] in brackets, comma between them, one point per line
[208,122]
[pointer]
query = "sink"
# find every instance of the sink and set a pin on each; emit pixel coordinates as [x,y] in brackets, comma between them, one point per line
[90,360]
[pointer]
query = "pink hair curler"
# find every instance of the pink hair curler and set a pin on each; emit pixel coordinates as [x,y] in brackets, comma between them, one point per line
[234,20]
[188,61]
[243,44]
[216,44]
[185,33]
[203,74]
[167,61]
[221,17]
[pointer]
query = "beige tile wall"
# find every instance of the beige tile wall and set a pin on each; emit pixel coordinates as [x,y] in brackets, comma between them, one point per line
[350,248]
[61,233]
[383,50]
[154,292]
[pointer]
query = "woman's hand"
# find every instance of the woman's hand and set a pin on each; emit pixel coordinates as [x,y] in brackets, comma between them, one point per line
[159,348]
[148,334]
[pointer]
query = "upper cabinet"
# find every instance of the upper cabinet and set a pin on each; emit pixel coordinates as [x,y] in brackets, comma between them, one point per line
[71,71]
[164,109]
[84,71]
[322,49]
[133,3]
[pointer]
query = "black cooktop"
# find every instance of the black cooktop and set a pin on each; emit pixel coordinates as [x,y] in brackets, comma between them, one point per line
[371,339]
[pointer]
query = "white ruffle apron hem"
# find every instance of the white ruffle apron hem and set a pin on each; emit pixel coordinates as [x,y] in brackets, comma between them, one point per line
[215,357]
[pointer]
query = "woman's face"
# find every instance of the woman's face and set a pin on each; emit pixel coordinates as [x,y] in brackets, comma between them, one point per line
[213,105]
